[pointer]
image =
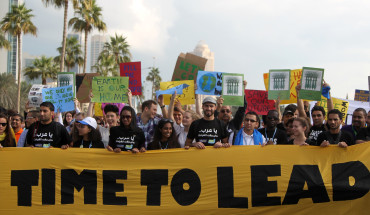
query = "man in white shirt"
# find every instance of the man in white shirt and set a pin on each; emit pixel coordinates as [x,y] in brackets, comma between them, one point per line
[248,135]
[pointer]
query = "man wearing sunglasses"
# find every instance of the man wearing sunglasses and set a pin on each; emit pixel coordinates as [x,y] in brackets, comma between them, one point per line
[31,117]
[273,134]
[248,136]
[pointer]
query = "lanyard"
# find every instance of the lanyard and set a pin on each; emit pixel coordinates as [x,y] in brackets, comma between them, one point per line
[272,135]
[82,144]
[160,144]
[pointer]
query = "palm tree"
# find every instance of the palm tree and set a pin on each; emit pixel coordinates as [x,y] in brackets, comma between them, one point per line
[7,88]
[59,4]
[73,53]
[88,17]
[44,67]
[16,22]
[106,66]
[4,43]
[119,48]
[155,78]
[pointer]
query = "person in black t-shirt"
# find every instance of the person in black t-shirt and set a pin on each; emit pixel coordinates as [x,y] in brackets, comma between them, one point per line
[164,136]
[47,133]
[273,134]
[318,117]
[207,131]
[363,135]
[87,136]
[335,135]
[127,136]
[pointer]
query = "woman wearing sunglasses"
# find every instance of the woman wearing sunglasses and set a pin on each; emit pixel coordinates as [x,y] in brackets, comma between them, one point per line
[6,137]
[87,135]
[127,136]
[164,136]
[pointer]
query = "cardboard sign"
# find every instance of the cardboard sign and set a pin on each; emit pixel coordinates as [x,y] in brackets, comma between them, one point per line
[133,71]
[295,78]
[279,83]
[66,79]
[61,97]
[311,83]
[187,67]
[233,89]
[110,89]
[186,98]
[209,83]
[84,86]
[362,95]
[35,94]
[339,104]
[258,101]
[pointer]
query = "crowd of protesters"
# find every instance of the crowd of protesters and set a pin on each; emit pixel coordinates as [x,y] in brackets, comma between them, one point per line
[209,123]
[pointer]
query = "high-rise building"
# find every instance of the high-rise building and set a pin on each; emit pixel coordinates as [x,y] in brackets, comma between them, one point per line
[76,68]
[8,58]
[202,50]
[97,45]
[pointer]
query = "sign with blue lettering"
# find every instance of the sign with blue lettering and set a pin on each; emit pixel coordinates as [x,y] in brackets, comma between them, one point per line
[61,97]
[133,71]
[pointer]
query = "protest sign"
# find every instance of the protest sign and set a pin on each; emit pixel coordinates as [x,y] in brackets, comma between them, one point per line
[279,84]
[66,79]
[187,67]
[362,95]
[258,102]
[110,89]
[35,95]
[186,98]
[133,71]
[239,180]
[178,89]
[295,78]
[98,111]
[311,83]
[84,86]
[339,104]
[61,97]
[233,89]
[209,83]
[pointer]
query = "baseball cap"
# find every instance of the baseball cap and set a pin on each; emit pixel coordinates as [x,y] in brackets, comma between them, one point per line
[210,100]
[288,112]
[89,121]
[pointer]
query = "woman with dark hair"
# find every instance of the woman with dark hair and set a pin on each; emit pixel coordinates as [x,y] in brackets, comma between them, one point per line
[6,137]
[164,136]
[87,135]
[68,120]
[127,136]
[300,131]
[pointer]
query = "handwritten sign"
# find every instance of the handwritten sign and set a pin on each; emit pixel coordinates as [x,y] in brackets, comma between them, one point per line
[178,89]
[110,89]
[362,95]
[339,104]
[187,67]
[186,98]
[258,102]
[133,71]
[35,94]
[61,97]
[295,78]
[209,83]
[83,86]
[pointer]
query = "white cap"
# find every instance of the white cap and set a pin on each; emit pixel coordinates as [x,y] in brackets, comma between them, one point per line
[210,100]
[89,121]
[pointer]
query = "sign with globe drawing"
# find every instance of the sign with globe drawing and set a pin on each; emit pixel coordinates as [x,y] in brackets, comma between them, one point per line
[209,83]
[311,83]
[233,89]
[279,84]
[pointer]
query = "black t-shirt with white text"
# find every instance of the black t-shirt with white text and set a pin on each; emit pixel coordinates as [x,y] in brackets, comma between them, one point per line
[345,136]
[208,132]
[315,131]
[277,136]
[53,134]
[126,139]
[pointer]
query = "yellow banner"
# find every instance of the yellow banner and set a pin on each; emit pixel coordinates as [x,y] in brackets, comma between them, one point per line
[238,180]
[188,96]
[339,104]
[295,78]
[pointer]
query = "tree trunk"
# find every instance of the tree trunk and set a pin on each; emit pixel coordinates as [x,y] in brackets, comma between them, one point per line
[85,58]
[43,81]
[19,73]
[64,36]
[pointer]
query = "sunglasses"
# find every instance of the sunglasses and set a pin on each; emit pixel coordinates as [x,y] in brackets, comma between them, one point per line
[225,111]
[4,124]
[272,118]
[249,120]
[126,117]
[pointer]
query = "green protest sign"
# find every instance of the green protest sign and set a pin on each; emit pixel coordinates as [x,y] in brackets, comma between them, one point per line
[278,86]
[311,83]
[233,89]
[110,89]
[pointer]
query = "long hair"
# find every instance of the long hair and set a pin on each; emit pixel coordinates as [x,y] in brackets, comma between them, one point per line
[65,123]
[172,140]
[9,139]
[94,135]
[133,124]
[303,123]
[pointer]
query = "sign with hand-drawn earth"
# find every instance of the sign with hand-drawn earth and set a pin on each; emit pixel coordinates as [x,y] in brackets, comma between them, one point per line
[209,83]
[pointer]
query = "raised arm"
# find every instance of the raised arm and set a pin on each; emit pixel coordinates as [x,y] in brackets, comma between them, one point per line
[129,97]
[160,100]
[198,106]
[171,107]
[300,105]
[91,106]
[330,103]
[277,107]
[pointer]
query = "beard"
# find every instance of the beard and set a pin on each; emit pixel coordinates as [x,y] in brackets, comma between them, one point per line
[208,113]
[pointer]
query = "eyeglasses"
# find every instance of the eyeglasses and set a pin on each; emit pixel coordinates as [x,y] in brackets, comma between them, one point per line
[30,117]
[249,120]
[4,124]
[126,117]
[225,111]
[272,118]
